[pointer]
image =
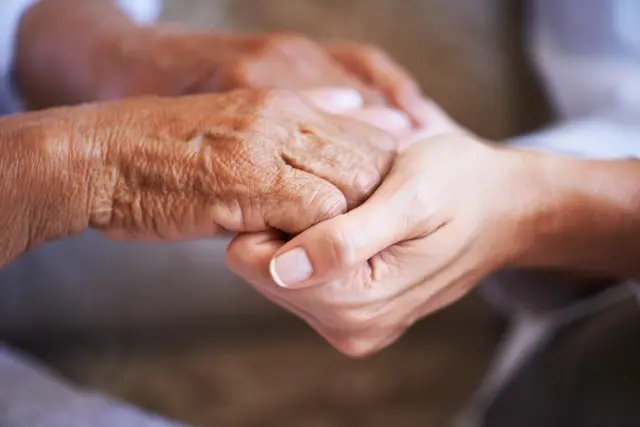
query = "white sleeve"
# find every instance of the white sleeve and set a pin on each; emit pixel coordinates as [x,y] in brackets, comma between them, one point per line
[11,11]
[142,11]
[607,134]
[589,61]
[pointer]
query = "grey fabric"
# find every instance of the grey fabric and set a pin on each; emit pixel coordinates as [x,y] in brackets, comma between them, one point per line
[531,292]
[31,396]
[588,375]
[537,314]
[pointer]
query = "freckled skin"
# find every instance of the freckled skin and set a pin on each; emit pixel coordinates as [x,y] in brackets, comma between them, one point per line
[264,159]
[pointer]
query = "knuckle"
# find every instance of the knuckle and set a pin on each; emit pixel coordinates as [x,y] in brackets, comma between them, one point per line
[234,258]
[306,205]
[371,52]
[328,204]
[236,75]
[283,101]
[356,318]
[364,181]
[288,43]
[356,347]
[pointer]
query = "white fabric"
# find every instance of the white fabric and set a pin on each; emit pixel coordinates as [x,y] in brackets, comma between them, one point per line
[589,59]
[31,396]
[11,11]
[142,12]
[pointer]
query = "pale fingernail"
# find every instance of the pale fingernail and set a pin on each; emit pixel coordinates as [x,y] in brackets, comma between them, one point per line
[390,120]
[291,268]
[336,100]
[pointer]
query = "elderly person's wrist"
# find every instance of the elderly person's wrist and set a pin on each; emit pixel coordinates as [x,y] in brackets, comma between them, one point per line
[45,182]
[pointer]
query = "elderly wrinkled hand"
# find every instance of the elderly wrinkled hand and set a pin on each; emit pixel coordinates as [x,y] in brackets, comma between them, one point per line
[180,168]
[169,61]
[177,62]
[116,59]
[451,211]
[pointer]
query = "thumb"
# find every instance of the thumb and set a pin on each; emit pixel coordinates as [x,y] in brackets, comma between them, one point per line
[332,248]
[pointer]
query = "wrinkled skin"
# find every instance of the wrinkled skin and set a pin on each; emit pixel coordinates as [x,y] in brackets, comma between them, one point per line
[173,61]
[181,168]
[114,58]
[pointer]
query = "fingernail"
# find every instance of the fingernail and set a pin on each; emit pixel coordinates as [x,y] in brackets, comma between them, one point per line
[291,268]
[335,100]
[388,119]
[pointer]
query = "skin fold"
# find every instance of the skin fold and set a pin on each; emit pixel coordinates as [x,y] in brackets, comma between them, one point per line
[182,168]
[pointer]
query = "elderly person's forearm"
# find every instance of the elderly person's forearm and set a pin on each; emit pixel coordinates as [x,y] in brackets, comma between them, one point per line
[41,191]
[67,51]
[167,169]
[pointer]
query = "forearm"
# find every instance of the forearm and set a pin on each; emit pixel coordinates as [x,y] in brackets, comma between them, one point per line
[587,215]
[43,191]
[66,50]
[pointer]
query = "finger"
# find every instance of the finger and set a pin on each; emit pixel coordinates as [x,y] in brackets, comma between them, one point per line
[356,160]
[378,70]
[348,102]
[248,256]
[332,248]
[344,101]
[387,119]
[300,200]
[438,123]
[362,344]
[334,100]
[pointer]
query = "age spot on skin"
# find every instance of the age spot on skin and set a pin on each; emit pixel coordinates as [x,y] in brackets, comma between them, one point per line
[305,130]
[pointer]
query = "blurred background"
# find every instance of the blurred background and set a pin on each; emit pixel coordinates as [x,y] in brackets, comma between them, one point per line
[248,370]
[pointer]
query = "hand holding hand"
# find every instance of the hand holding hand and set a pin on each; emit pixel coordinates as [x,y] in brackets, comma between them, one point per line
[451,211]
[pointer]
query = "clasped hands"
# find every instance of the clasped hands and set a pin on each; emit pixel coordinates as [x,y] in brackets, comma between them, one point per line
[360,209]
[348,216]
[440,221]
